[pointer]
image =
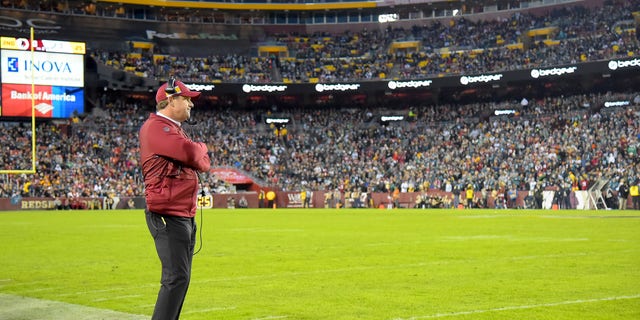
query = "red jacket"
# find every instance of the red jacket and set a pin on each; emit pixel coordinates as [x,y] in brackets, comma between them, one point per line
[169,164]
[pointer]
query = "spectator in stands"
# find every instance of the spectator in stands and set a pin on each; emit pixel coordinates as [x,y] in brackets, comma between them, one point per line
[243,203]
[623,195]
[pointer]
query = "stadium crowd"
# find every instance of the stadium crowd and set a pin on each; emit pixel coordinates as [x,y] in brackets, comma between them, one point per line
[226,68]
[551,142]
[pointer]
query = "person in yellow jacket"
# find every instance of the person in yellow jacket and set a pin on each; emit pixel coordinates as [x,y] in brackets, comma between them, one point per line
[574,181]
[26,188]
[261,199]
[469,196]
[271,199]
[635,195]
[303,198]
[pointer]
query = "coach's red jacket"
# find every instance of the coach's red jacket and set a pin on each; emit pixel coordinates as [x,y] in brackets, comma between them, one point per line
[169,163]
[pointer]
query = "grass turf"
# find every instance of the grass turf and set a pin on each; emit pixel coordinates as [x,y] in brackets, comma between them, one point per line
[339,264]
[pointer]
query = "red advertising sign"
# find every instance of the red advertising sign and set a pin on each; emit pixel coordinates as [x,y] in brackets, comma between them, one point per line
[17,99]
[49,101]
[232,176]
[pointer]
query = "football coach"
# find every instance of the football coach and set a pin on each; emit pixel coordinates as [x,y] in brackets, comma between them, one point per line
[170,163]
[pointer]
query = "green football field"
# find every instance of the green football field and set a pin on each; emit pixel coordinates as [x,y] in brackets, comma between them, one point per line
[329,264]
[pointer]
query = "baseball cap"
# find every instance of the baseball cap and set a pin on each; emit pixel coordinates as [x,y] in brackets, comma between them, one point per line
[180,90]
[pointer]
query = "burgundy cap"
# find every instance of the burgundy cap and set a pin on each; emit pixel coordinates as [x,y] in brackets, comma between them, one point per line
[180,90]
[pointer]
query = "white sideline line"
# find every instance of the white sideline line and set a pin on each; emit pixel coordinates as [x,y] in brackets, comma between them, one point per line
[41,290]
[485,216]
[531,306]
[11,282]
[117,298]
[260,230]
[564,255]
[509,238]
[391,243]
[105,290]
[29,283]
[22,285]
[209,310]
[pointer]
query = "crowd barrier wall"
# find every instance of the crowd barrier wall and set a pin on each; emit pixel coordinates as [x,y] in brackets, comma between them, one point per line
[284,199]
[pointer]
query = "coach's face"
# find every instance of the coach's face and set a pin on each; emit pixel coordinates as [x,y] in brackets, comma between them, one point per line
[180,107]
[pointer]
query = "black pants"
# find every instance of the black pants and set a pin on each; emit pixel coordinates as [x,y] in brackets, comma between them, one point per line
[175,239]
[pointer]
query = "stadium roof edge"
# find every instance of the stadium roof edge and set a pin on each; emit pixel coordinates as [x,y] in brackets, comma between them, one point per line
[250,6]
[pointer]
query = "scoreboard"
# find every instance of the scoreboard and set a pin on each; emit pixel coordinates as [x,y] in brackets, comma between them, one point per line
[47,74]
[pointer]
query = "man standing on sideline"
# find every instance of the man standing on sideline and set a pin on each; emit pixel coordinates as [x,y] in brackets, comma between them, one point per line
[469,196]
[634,191]
[303,198]
[623,194]
[170,164]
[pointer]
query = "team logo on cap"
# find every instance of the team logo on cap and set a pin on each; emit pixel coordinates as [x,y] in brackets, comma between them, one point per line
[176,92]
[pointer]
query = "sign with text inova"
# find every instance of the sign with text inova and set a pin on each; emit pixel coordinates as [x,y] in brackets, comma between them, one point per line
[42,68]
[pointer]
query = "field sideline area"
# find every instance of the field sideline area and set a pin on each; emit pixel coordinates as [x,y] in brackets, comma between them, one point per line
[296,264]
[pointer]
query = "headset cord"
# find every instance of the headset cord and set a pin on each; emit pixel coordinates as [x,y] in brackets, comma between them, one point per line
[192,124]
[201,211]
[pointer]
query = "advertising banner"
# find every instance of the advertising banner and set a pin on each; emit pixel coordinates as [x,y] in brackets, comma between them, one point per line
[26,67]
[25,44]
[232,176]
[50,101]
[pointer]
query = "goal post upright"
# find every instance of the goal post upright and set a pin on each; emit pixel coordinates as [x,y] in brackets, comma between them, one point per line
[33,119]
[33,108]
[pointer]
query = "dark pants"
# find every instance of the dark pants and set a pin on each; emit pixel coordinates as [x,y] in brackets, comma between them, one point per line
[175,239]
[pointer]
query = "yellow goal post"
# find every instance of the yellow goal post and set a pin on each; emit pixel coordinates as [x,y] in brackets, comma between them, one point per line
[33,123]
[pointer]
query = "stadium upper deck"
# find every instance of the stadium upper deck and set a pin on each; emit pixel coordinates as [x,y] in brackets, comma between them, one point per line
[301,12]
[259,4]
[182,41]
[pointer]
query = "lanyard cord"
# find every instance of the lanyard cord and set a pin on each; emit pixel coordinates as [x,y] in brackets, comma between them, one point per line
[200,182]
[200,225]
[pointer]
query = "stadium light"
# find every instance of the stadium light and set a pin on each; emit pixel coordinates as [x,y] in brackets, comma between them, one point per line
[389,17]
